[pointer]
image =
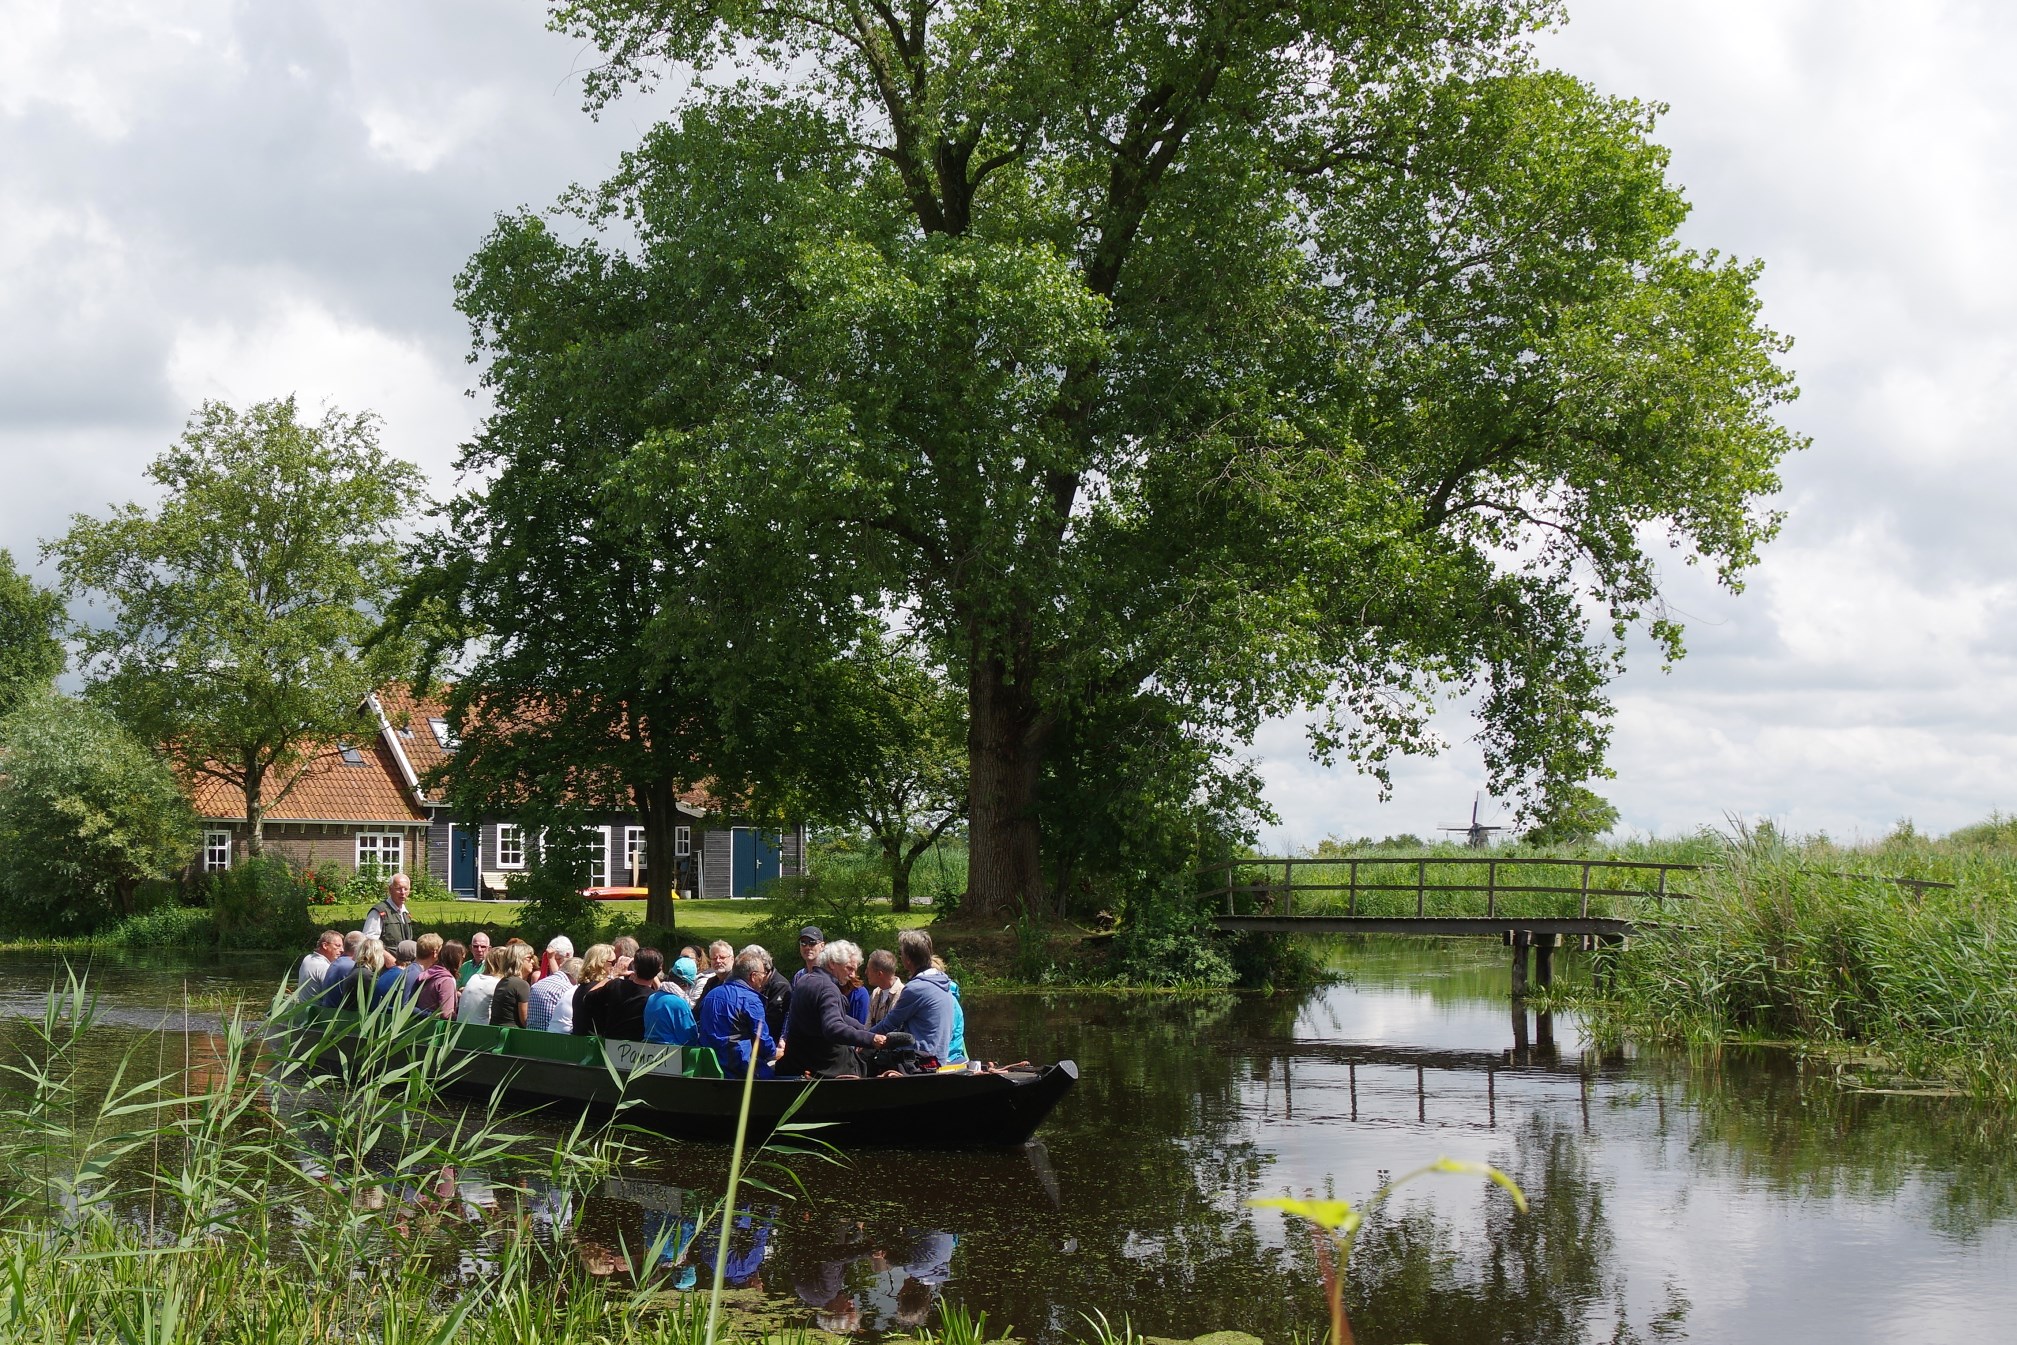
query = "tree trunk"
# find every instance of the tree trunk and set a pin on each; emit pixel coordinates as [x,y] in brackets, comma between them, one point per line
[255,810]
[899,875]
[1004,755]
[657,807]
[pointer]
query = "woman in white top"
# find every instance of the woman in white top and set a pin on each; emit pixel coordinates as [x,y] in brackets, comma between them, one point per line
[473,1005]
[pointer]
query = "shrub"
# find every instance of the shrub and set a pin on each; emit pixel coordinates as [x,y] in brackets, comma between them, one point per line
[842,903]
[87,816]
[167,927]
[551,887]
[1167,939]
[262,903]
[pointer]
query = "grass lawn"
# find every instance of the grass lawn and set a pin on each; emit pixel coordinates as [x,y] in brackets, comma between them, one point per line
[699,921]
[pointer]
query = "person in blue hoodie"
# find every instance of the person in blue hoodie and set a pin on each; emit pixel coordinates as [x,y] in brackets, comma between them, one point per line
[738,999]
[926,1008]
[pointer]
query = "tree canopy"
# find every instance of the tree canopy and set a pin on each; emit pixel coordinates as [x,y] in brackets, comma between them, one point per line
[241,606]
[87,813]
[31,644]
[1172,366]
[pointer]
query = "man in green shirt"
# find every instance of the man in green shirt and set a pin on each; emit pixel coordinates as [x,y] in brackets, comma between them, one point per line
[479,948]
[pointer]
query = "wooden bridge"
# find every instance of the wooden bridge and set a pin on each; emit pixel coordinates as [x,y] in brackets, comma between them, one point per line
[1532,904]
[1529,904]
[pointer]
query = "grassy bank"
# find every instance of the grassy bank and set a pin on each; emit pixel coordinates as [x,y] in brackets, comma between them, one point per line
[1781,945]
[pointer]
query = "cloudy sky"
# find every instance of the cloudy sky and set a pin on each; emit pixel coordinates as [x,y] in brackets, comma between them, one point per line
[201,198]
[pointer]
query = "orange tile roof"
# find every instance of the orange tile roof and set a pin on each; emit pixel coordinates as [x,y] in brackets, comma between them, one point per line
[328,790]
[406,709]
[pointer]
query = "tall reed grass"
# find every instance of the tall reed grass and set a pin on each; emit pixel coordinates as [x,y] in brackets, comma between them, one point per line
[229,1198]
[1784,943]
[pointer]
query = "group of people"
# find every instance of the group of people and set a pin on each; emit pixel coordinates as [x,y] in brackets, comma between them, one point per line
[839,1014]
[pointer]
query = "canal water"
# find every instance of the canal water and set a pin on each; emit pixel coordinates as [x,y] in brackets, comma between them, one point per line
[1741,1199]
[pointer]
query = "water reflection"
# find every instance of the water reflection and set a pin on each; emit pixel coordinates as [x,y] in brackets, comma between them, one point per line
[1739,1198]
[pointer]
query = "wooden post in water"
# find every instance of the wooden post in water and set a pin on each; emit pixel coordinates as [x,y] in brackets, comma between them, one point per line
[1544,959]
[1519,939]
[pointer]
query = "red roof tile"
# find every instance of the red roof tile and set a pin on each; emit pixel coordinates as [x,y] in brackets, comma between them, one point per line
[328,789]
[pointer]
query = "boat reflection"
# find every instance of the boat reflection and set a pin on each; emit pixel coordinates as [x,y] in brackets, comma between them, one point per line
[850,1275]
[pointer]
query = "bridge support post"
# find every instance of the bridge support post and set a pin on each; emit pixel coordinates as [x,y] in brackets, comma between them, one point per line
[1519,940]
[1544,959]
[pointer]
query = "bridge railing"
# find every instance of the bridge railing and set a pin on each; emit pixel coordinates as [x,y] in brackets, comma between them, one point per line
[1448,886]
[1445,886]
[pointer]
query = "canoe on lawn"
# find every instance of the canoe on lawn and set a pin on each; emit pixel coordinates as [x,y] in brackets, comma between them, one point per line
[681,1092]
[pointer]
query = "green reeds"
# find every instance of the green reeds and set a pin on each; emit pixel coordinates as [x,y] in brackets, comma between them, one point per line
[1782,945]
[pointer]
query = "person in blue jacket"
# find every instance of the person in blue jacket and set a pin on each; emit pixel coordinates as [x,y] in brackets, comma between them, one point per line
[736,1000]
[926,1008]
[668,1014]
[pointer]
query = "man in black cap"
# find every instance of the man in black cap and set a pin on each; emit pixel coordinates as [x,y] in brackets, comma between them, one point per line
[811,943]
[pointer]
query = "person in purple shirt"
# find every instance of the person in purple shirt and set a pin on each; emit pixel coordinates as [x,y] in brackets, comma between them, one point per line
[736,1002]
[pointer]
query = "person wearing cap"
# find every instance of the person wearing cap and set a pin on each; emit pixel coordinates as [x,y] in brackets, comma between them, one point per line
[668,1014]
[550,1006]
[810,944]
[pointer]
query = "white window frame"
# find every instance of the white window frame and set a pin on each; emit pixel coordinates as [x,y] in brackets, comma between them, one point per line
[216,851]
[633,851]
[513,835]
[598,868]
[386,850]
[443,735]
[682,842]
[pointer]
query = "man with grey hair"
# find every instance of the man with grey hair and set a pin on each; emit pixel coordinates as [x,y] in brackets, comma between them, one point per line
[315,966]
[819,1036]
[730,1021]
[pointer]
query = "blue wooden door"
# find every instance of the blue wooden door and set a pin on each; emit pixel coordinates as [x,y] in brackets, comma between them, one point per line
[462,860]
[758,858]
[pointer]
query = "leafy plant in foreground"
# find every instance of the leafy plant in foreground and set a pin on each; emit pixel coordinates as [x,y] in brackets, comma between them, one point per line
[1341,1220]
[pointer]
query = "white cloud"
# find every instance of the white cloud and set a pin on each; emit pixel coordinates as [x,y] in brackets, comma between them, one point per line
[418,136]
[299,347]
[204,197]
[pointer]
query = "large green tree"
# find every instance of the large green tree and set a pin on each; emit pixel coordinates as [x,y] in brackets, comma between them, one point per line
[31,644]
[1222,358]
[87,813]
[238,608]
[615,625]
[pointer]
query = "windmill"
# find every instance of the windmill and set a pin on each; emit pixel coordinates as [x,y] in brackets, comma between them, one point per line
[1477,833]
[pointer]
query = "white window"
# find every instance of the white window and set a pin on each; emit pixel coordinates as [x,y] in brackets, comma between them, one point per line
[216,851]
[633,854]
[682,841]
[598,856]
[351,756]
[510,846]
[442,734]
[380,852]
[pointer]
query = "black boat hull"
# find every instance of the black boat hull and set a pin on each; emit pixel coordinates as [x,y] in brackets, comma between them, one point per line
[926,1111]
[951,1110]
